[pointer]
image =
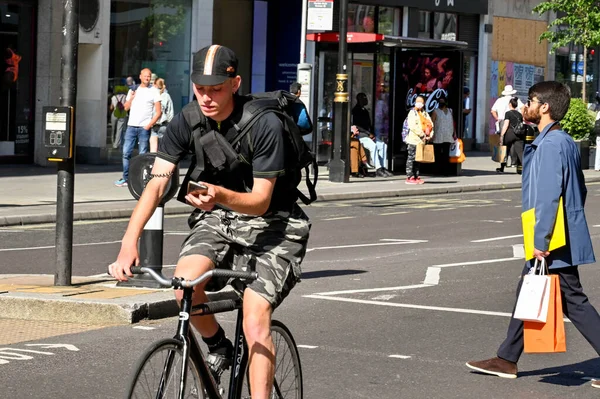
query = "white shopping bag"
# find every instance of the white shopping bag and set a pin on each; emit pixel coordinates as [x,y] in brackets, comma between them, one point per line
[532,303]
[455,149]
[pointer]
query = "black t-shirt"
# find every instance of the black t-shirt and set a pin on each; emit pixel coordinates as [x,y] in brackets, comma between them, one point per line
[514,118]
[361,118]
[264,148]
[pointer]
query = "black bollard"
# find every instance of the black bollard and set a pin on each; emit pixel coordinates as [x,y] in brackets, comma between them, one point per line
[150,251]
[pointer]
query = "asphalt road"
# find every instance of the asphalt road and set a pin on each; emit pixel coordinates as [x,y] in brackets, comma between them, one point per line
[397,294]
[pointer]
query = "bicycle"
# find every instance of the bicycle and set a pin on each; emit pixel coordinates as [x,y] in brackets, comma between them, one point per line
[180,369]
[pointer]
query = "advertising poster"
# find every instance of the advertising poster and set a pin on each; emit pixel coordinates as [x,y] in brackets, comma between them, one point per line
[431,76]
[493,93]
[501,76]
[510,74]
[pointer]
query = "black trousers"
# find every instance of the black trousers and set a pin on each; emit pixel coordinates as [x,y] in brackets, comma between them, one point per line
[576,307]
[442,158]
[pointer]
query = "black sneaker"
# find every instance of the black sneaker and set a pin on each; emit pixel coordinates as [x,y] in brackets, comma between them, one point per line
[218,364]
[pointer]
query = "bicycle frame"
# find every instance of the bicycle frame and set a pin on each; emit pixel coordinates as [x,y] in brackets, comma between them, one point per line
[191,349]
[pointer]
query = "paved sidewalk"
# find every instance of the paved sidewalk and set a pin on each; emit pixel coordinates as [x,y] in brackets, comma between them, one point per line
[29,193]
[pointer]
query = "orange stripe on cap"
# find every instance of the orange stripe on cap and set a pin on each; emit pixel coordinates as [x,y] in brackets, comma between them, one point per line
[210,59]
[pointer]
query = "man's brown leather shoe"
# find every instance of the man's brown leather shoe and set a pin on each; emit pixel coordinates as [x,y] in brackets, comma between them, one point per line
[495,366]
[596,384]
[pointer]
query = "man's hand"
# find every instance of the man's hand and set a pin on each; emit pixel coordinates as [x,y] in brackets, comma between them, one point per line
[207,201]
[148,127]
[121,268]
[540,255]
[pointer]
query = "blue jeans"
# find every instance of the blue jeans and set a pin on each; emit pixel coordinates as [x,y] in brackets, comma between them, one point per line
[377,150]
[132,135]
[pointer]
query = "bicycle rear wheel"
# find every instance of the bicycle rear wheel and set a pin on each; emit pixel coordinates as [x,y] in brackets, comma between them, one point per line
[158,373]
[288,371]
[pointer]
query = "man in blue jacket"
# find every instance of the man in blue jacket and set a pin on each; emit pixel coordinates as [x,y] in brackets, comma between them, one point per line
[551,169]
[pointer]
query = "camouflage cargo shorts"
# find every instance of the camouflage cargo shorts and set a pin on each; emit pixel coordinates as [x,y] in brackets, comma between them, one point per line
[272,245]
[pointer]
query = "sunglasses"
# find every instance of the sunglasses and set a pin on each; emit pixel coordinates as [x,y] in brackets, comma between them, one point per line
[531,100]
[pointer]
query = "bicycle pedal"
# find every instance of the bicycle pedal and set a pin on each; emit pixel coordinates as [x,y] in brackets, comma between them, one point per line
[217,364]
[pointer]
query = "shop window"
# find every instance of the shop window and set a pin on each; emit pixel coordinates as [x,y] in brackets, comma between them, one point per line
[444,26]
[153,34]
[424,25]
[16,85]
[361,18]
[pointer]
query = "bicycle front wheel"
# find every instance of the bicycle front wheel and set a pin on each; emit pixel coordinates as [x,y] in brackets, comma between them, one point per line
[158,374]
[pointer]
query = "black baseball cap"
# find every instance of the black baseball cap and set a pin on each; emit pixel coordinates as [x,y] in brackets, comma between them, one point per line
[213,65]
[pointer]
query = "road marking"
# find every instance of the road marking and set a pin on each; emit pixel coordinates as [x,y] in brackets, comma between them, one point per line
[597,225]
[177,233]
[477,262]
[393,213]
[144,328]
[493,221]
[377,244]
[443,209]
[410,306]
[406,287]
[11,231]
[385,297]
[432,278]
[52,246]
[498,238]
[400,356]
[307,346]
[70,347]
[519,251]
[340,218]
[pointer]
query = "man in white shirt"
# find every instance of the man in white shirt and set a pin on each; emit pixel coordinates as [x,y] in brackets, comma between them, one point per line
[144,109]
[501,106]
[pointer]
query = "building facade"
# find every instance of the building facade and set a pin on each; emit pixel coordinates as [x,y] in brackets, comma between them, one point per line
[498,46]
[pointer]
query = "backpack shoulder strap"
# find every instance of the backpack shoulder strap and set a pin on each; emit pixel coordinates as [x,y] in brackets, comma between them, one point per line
[253,110]
[197,122]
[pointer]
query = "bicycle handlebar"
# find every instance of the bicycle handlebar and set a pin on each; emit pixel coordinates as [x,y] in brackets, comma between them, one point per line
[175,282]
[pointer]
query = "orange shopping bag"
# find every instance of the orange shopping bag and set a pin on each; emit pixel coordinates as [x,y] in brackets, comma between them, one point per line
[548,337]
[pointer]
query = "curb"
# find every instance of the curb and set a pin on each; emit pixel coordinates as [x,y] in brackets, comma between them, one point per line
[86,312]
[176,209]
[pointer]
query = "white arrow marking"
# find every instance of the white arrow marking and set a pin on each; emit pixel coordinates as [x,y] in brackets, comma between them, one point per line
[70,347]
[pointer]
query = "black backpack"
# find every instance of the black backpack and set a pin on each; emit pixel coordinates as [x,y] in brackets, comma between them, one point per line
[220,151]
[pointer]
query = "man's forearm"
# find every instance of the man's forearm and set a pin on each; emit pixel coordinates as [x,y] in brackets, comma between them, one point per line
[155,119]
[246,203]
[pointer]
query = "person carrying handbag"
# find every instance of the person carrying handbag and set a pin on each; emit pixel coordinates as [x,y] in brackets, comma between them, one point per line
[552,172]
[421,132]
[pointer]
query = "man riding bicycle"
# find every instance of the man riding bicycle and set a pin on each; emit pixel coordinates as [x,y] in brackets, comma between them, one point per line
[247,217]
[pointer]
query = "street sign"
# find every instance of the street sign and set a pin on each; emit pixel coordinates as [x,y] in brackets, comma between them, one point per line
[580,68]
[320,15]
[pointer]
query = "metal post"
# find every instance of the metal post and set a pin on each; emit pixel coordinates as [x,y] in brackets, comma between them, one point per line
[66,168]
[339,168]
[151,251]
[303,32]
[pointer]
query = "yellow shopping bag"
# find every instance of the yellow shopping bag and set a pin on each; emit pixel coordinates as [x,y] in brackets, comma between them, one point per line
[558,238]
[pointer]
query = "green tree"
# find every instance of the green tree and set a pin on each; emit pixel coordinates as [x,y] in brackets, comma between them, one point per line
[578,22]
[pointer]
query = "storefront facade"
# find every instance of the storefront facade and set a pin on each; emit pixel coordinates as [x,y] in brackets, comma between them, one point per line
[17,33]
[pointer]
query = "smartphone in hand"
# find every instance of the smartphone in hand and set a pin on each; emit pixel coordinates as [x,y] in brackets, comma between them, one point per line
[196,188]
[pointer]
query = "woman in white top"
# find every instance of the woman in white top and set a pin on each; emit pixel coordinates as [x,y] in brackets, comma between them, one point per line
[445,134]
[166,104]
[421,132]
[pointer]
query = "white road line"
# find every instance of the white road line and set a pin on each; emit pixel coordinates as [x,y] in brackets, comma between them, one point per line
[432,278]
[400,356]
[405,287]
[307,346]
[11,231]
[52,246]
[393,213]
[597,225]
[443,209]
[144,328]
[477,262]
[177,233]
[340,218]
[498,238]
[377,244]
[493,221]
[410,306]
